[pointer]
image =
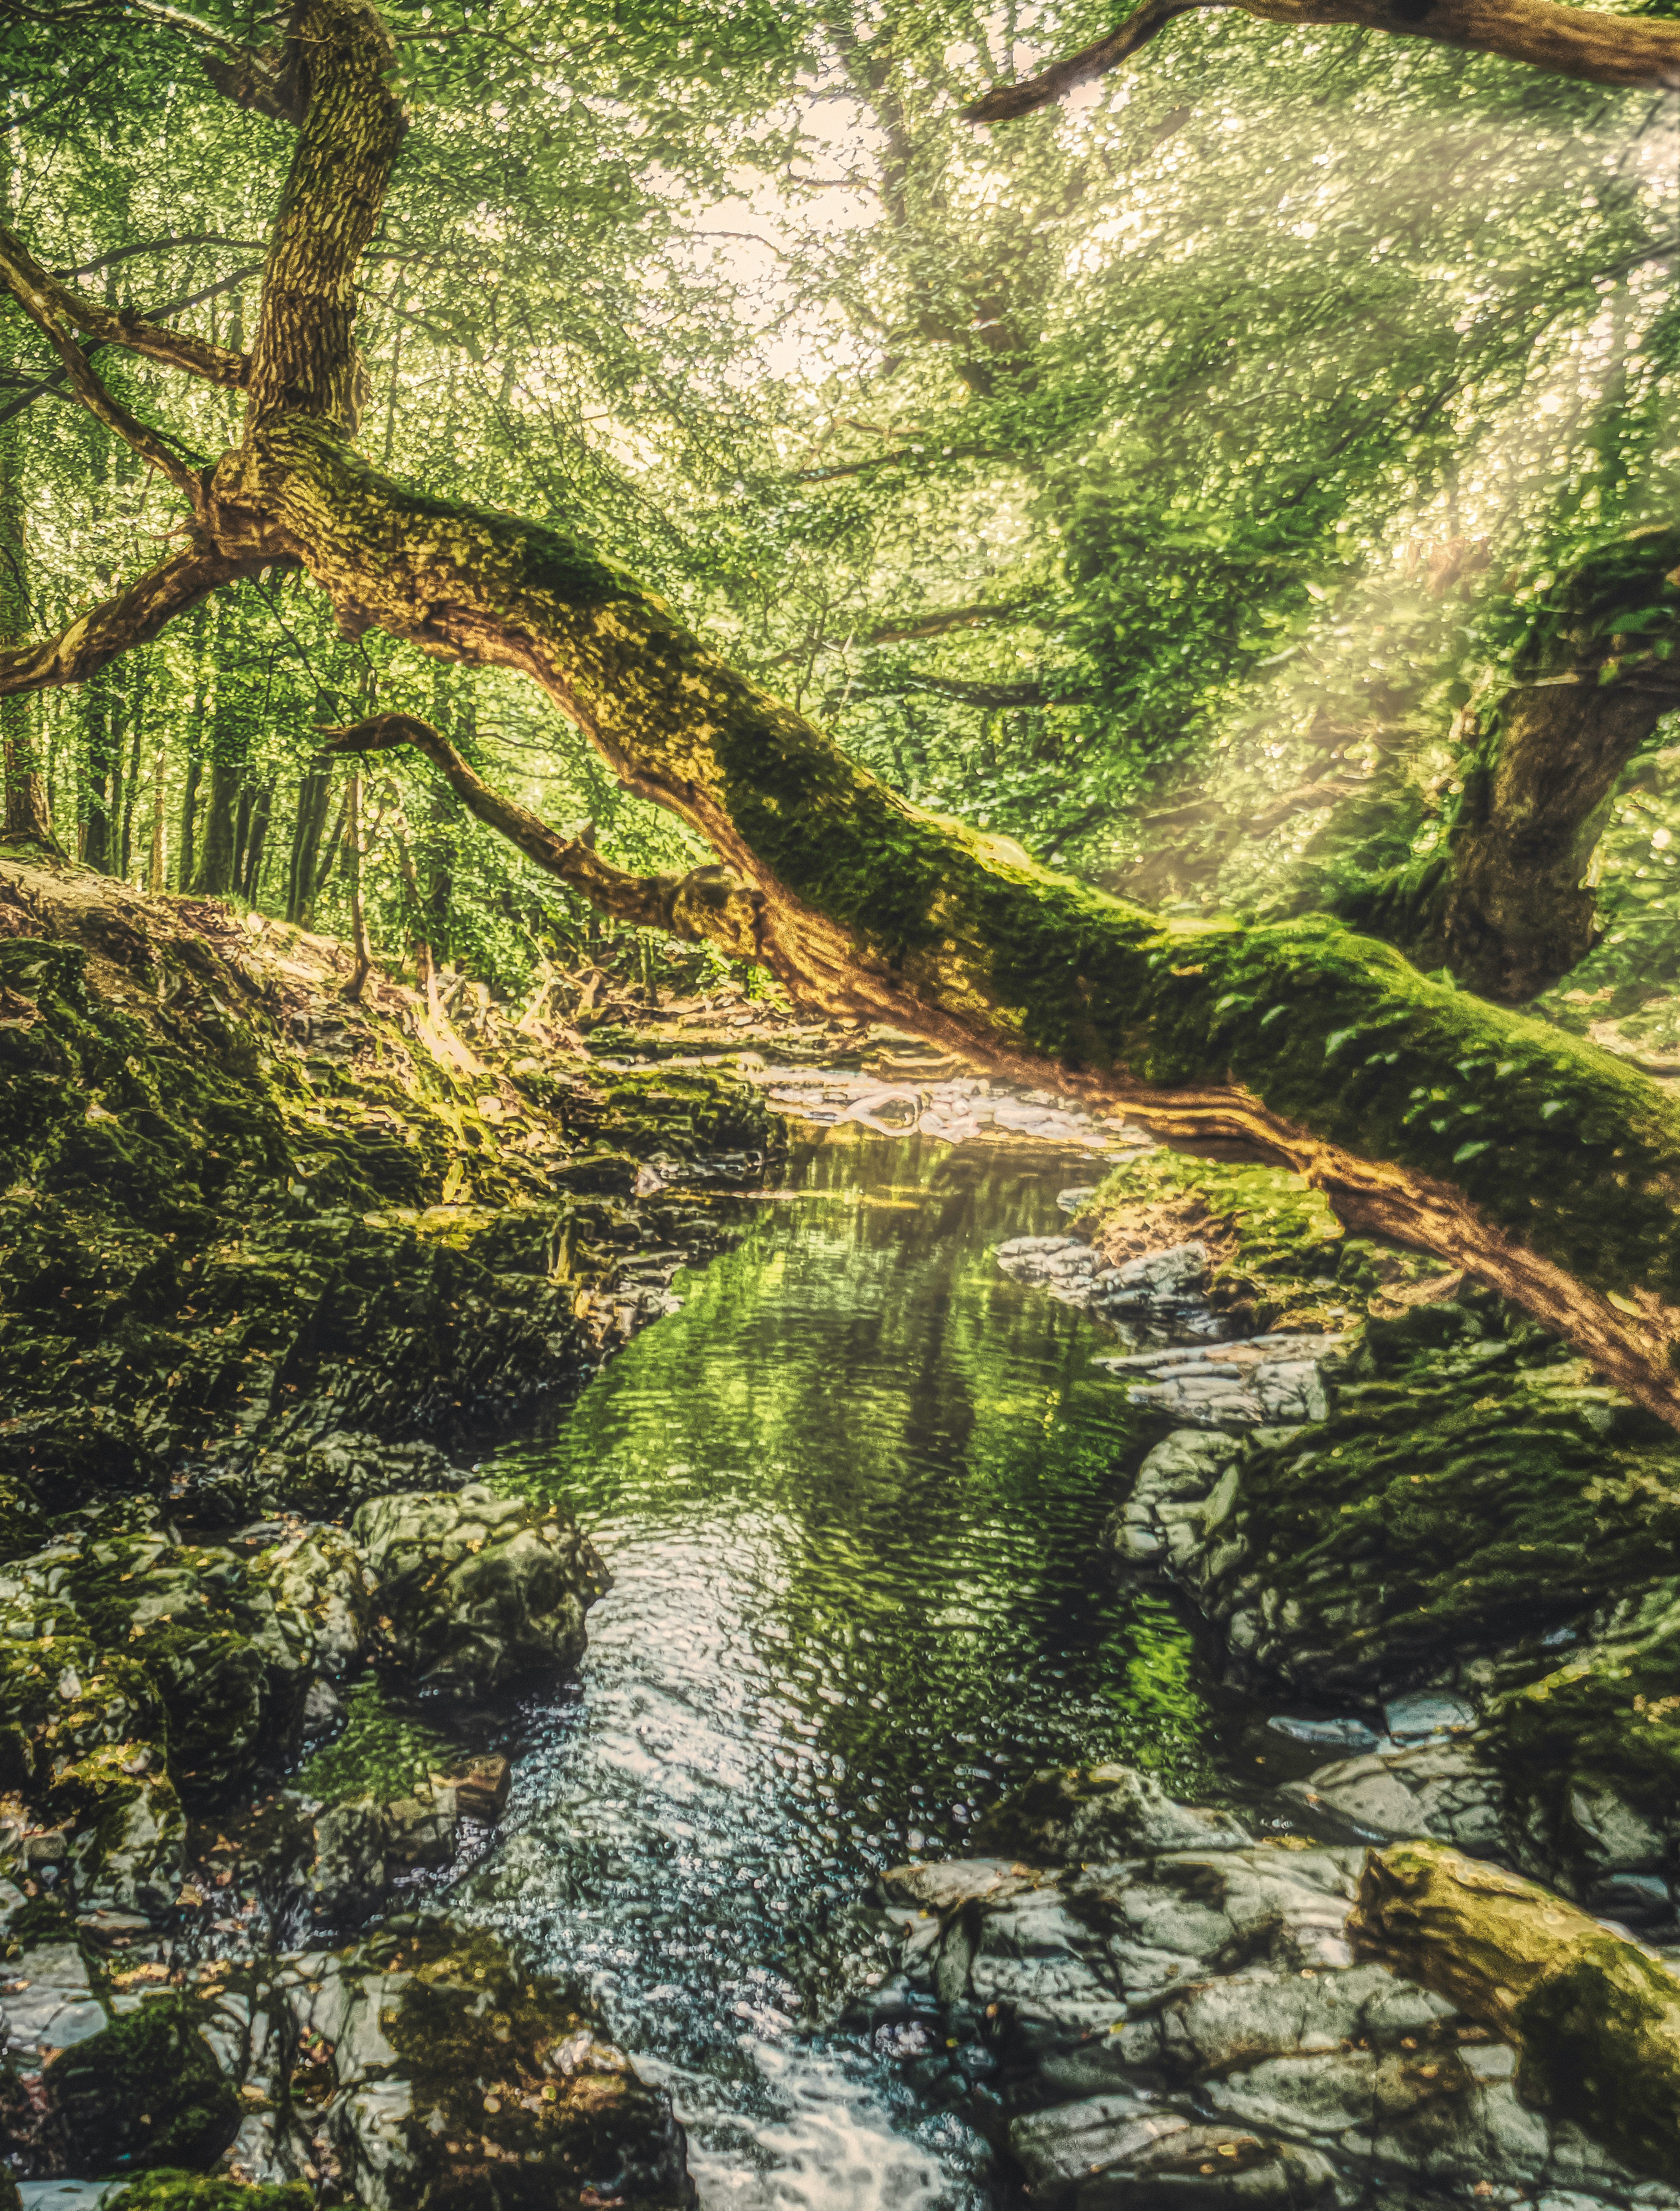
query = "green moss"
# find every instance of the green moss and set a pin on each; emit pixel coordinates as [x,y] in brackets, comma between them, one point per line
[382,1751]
[170,2188]
[1282,1258]
[145,2092]
[1458,1503]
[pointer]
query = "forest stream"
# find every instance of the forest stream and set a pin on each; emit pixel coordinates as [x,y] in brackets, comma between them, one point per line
[850,1498]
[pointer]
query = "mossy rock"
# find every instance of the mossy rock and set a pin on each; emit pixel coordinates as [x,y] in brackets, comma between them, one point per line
[1282,1259]
[518,2104]
[170,2188]
[146,2092]
[1444,1515]
[64,1459]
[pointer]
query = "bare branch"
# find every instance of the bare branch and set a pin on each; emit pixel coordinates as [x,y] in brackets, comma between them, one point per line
[172,245]
[59,377]
[50,303]
[707,906]
[134,617]
[1006,101]
[1583,43]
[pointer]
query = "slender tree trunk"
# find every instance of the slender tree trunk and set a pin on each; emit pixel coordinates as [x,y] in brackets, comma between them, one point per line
[314,795]
[26,816]
[131,776]
[250,880]
[157,871]
[354,853]
[241,836]
[101,740]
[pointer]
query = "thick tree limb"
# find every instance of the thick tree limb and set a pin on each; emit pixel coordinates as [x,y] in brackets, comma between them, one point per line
[708,904]
[304,358]
[44,295]
[1547,1168]
[1585,43]
[135,616]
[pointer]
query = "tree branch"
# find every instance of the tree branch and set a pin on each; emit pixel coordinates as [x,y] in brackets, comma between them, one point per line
[708,904]
[135,616]
[1583,43]
[96,399]
[1005,101]
[305,359]
[49,303]
[173,245]
[46,383]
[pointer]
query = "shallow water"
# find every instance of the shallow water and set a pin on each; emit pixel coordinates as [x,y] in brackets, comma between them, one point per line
[850,1498]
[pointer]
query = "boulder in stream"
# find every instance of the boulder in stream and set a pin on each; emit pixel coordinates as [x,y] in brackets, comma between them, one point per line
[475,1589]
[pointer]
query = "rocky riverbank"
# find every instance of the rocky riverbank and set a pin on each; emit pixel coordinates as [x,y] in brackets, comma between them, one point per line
[1148,2004]
[1438,1545]
[271,1261]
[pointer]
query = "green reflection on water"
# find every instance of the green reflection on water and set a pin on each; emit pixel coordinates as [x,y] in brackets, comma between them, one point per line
[899,1462]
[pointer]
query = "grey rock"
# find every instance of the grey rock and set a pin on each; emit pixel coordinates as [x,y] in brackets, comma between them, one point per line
[1426,1712]
[323,1710]
[1351,1735]
[478,1589]
[1439,1788]
[47,2002]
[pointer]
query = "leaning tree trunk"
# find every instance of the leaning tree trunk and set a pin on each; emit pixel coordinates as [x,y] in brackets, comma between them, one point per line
[1546,1167]
[1507,906]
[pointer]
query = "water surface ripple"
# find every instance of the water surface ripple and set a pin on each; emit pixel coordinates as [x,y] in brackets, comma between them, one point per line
[850,1497]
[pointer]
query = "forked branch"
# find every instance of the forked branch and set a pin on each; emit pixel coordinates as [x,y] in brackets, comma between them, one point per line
[706,905]
[29,282]
[1585,43]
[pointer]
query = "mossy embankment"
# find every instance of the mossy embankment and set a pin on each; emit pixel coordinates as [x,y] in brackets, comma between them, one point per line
[1479,1512]
[267,1257]
[240,1214]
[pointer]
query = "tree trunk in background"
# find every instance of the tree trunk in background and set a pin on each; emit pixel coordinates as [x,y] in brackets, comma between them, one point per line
[251,880]
[214,876]
[101,740]
[241,834]
[157,871]
[194,750]
[141,673]
[314,796]
[1507,905]
[228,745]
[26,808]
[354,855]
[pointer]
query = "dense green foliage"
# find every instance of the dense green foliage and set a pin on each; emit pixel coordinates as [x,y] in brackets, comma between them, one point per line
[1151,480]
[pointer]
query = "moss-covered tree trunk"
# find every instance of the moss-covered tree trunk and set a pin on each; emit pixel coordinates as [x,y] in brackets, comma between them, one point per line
[1595,2017]
[1509,905]
[1545,1166]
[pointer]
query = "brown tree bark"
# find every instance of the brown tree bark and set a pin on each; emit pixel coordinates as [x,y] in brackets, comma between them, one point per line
[1586,43]
[1545,1167]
